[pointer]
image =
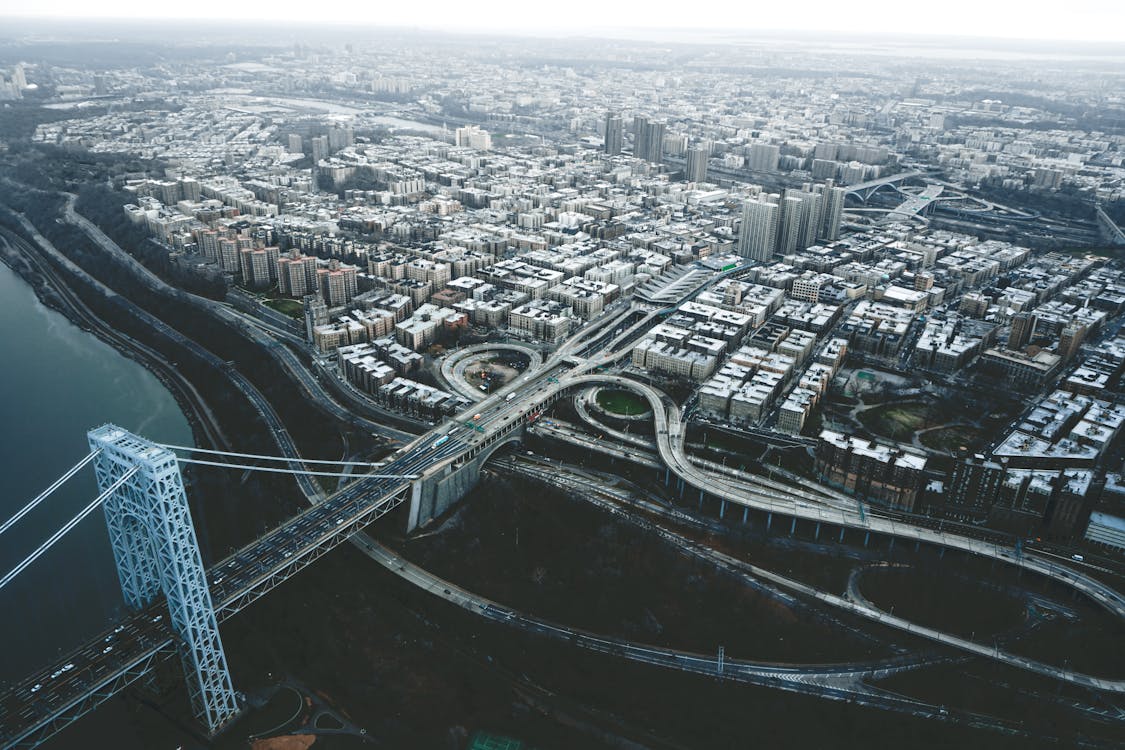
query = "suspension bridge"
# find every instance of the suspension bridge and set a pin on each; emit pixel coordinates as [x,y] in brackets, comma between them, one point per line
[175,603]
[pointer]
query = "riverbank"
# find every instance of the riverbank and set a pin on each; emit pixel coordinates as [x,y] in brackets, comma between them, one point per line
[53,293]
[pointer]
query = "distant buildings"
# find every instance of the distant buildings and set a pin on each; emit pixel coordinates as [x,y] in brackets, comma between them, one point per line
[648,139]
[473,137]
[614,134]
[758,237]
[696,165]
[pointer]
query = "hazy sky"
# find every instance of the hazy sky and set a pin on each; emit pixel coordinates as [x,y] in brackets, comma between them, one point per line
[1092,20]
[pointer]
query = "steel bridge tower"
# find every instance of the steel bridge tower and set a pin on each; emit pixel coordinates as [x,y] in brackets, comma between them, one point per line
[154,545]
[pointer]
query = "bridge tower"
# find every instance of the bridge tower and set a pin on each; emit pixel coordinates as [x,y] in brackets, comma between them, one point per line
[156,552]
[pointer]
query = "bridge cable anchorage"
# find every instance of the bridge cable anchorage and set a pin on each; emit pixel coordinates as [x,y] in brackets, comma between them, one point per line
[67,527]
[279,470]
[43,495]
[269,458]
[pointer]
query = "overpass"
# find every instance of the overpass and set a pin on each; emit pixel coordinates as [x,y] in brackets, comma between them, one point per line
[864,190]
[915,204]
[1109,228]
[427,476]
[430,474]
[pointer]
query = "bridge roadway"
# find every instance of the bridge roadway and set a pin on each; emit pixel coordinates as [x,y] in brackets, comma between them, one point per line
[913,205]
[1115,233]
[91,674]
[49,699]
[862,187]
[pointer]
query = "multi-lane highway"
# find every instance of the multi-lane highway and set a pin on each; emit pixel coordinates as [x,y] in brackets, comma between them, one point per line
[40,704]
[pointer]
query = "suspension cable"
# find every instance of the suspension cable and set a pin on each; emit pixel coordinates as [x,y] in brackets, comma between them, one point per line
[279,470]
[46,493]
[66,528]
[268,458]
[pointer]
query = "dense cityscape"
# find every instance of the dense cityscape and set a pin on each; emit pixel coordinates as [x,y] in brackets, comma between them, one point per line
[791,333]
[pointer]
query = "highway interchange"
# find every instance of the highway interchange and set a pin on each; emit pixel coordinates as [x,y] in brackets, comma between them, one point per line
[51,697]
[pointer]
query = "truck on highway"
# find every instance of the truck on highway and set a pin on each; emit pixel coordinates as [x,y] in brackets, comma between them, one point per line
[509,397]
[440,442]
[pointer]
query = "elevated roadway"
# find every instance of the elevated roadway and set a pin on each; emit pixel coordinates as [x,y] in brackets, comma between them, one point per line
[670,444]
[1108,227]
[48,699]
[864,189]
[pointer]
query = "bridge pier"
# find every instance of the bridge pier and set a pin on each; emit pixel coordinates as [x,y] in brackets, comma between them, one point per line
[156,551]
[793,526]
[769,519]
[841,539]
[745,513]
[722,508]
[441,487]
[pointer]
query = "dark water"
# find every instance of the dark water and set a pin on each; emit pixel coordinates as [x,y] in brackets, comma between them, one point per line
[56,382]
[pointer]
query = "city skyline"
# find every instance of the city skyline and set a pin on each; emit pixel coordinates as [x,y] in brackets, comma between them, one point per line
[1093,21]
[771,380]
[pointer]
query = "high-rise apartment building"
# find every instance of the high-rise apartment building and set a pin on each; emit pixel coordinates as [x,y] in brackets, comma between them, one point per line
[296,274]
[648,139]
[208,240]
[789,224]
[763,157]
[473,137]
[1070,340]
[757,238]
[320,148]
[1023,328]
[808,221]
[696,167]
[296,145]
[316,313]
[228,255]
[831,211]
[337,283]
[614,134]
[258,265]
[339,137]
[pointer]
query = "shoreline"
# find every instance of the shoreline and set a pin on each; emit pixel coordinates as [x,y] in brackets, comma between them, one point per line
[50,297]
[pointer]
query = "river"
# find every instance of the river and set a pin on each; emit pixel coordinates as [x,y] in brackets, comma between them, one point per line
[57,382]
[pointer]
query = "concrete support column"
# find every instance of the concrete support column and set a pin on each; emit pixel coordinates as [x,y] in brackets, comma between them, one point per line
[722,508]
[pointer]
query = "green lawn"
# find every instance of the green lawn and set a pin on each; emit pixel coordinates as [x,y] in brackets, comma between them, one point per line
[622,402]
[290,307]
